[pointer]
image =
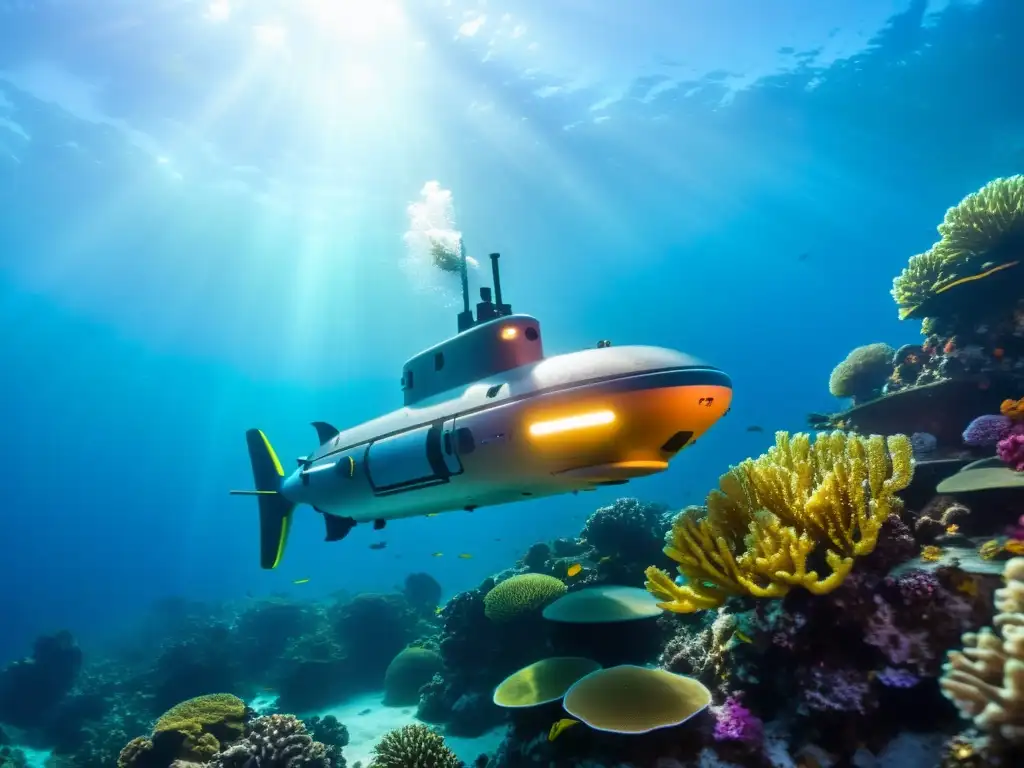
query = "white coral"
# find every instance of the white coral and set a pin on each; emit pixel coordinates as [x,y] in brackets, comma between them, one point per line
[986,678]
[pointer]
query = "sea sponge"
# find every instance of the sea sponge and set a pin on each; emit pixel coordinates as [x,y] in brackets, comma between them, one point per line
[863,372]
[409,671]
[542,682]
[204,723]
[631,699]
[827,498]
[413,745]
[986,678]
[521,595]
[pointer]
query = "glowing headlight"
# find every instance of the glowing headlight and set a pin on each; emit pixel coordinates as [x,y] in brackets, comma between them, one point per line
[569,423]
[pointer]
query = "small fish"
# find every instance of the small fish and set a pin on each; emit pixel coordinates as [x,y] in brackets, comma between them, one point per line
[606,559]
[301,581]
[742,637]
[365,712]
[465,556]
[952,528]
[574,569]
[803,256]
[998,353]
[432,514]
[438,610]
[755,428]
[437,554]
[378,545]
[560,725]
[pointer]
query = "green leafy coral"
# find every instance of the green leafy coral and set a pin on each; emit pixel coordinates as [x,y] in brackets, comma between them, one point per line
[979,236]
[773,516]
[521,595]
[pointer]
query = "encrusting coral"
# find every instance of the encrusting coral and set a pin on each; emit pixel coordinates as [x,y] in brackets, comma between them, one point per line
[799,502]
[986,678]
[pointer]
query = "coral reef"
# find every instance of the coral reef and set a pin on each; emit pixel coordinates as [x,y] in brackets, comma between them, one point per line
[772,515]
[30,689]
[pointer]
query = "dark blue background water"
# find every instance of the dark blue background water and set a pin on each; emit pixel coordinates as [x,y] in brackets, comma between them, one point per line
[153,310]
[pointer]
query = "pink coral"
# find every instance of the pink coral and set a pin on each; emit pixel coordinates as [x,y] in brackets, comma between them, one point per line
[1011,448]
[734,722]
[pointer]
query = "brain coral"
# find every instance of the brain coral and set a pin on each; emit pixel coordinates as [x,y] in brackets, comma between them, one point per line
[409,671]
[521,595]
[863,372]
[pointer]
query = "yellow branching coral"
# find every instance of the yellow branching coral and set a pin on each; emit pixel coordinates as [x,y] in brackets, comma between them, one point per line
[775,519]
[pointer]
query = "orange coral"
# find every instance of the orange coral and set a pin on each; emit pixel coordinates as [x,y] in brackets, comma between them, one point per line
[1013,409]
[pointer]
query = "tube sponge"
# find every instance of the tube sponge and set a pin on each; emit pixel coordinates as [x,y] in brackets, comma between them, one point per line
[772,513]
[985,679]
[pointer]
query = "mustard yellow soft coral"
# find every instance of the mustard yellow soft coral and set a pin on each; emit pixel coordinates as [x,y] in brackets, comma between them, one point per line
[823,502]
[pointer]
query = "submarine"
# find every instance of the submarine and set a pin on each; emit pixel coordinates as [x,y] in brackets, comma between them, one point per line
[487,419]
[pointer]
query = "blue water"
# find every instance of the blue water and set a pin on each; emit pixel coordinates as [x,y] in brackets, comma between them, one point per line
[202,208]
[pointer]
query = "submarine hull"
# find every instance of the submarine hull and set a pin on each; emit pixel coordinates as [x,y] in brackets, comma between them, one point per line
[568,438]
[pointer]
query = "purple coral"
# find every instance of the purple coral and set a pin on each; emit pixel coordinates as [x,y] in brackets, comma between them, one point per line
[986,431]
[1011,448]
[835,690]
[899,646]
[734,722]
[897,678]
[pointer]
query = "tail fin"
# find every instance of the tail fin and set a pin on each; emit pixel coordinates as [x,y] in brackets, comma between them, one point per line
[275,509]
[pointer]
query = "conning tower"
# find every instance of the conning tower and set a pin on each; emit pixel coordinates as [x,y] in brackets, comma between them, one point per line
[492,342]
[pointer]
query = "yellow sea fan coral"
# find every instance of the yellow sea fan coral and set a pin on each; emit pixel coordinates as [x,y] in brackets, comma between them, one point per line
[985,220]
[822,502]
